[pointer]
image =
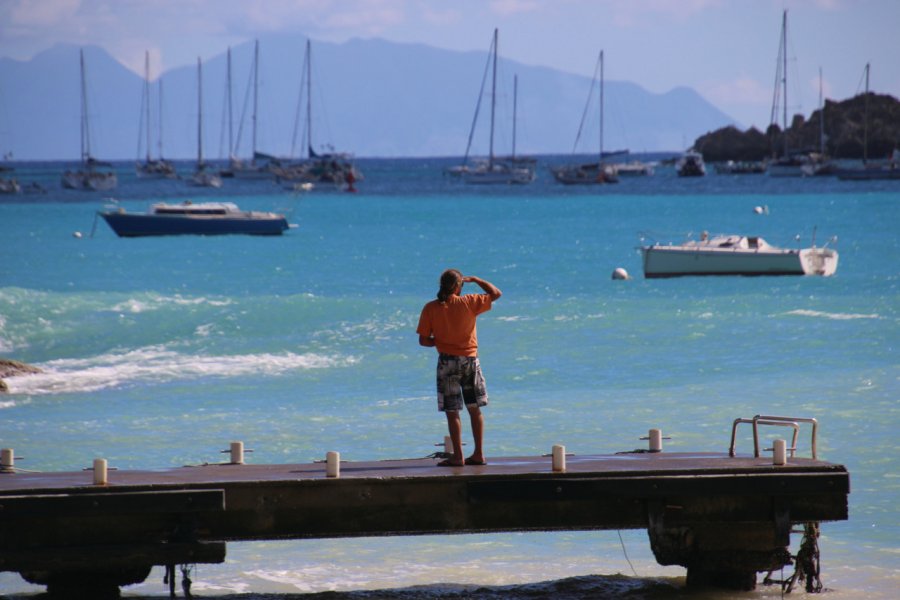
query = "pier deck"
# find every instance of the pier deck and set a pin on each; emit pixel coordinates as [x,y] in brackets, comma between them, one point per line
[724,518]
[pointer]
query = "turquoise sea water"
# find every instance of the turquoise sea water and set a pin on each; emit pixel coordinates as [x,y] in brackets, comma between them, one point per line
[158,352]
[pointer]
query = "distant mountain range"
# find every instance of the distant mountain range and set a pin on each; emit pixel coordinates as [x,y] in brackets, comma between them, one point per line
[371,98]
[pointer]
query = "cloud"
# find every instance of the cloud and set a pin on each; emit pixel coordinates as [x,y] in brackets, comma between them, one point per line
[742,90]
[638,12]
[26,14]
[506,8]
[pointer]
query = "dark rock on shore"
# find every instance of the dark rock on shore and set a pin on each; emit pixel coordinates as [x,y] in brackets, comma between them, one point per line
[845,131]
[12,368]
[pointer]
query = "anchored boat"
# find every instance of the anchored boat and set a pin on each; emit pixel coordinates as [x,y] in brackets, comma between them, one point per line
[204,218]
[735,255]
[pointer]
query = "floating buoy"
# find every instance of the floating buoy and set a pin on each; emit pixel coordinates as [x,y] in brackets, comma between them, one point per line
[76,234]
[761,210]
[620,273]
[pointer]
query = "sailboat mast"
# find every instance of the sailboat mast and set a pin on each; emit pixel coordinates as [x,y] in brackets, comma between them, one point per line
[147,99]
[85,133]
[784,79]
[199,114]
[866,121]
[821,117]
[601,106]
[308,98]
[160,136]
[255,94]
[515,102]
[493,101]
[230,115]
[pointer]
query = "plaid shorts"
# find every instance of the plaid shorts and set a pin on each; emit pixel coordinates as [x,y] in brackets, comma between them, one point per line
[459,380]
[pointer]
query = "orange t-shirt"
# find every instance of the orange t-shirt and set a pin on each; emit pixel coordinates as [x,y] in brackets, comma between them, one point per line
[452,323]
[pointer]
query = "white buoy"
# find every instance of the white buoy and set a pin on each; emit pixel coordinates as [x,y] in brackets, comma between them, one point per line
[7,459]
[333,464]
[655,436]
[237,453]
[559,458]
[761,210]
[779,453]
[448,444]
[76,234]
[100,471]
[620,273]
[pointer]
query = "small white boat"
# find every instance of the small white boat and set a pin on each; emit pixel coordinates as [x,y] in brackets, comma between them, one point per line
[735,255]
[9,186]
[498,172]
[634,167]
[691,164]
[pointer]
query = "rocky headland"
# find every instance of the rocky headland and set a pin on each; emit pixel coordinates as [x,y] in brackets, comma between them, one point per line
[844,126]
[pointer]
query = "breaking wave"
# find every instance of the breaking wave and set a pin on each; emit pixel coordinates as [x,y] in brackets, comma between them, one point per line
[835,316]
[155,364]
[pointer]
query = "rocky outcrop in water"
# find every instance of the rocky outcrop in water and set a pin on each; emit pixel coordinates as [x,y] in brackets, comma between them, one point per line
[13,368]
[845,133]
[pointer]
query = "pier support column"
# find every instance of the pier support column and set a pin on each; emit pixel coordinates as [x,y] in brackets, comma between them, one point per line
[725,555]
[87,583]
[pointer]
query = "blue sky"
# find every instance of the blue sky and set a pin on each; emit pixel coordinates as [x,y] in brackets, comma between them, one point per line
[724,49]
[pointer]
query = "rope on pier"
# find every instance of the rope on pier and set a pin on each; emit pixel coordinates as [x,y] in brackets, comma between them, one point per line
[806,563]
[169,579]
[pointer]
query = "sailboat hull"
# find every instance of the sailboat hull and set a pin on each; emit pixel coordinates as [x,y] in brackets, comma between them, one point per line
[143,225]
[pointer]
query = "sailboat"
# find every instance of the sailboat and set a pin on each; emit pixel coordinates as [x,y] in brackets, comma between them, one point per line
[88,178]
[592,173]
[202,177]
[260,165]
[152,168]
[890,170]
[819,164]
[495,170]
[327,167]
[788,164]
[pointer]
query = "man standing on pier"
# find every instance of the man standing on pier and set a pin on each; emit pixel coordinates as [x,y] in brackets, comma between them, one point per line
[448,323]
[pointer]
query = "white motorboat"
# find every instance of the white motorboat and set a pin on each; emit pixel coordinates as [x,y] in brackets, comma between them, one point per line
[690,164]
[735,255]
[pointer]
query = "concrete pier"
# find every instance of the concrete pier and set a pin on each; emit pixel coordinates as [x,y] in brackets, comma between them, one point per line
[723,518]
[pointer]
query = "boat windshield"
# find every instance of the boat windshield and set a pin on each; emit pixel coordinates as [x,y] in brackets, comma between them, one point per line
[219,208]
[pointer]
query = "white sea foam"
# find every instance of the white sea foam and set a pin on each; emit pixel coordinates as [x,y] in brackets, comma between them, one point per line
[204,330]
[6,404]
[154,302]
[154,364]
[835,316]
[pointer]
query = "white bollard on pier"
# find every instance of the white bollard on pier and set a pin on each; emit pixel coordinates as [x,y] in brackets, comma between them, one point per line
[7,459]
[655,437]
[237,453]
[100,471]
[559,458]
[333,464]
[779,453]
